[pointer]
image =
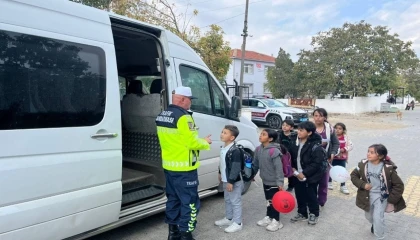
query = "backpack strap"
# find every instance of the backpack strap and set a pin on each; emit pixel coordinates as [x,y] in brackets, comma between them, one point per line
[271,152]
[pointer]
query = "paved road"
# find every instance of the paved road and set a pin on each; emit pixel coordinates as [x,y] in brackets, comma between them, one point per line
[341,219]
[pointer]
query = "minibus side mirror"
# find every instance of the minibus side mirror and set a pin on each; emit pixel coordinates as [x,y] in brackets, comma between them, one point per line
[234,109]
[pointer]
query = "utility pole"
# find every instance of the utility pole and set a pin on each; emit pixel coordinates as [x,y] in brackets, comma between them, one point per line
[244,34]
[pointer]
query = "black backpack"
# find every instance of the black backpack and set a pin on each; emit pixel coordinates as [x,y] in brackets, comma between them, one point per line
[324,167]
[247,174]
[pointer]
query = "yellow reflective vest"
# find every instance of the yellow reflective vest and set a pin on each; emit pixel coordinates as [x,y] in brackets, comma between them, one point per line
[179,141]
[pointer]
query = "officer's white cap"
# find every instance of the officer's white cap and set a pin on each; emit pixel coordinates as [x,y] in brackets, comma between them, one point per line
[184,91]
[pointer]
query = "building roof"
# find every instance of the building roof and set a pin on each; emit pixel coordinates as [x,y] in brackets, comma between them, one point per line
[251,55]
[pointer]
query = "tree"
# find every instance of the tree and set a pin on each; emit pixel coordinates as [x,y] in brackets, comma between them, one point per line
[412,82]
[161,12]
[281,80]
[358,58]
[215,52]
[315,77]
[101,4]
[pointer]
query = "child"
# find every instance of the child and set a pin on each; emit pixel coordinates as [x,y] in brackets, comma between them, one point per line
[380,188]
[268,160]
[229,173]
[309,161]
[345,146]
[330,144]
[287,137]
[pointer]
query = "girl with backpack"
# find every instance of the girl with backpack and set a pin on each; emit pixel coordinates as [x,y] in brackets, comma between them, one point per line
[331,145]
[267,159]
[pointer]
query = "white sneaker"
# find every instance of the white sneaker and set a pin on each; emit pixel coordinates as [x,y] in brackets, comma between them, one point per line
[223,222]
[344,190]
[274,226]
[330,186]
[264,222]
[234,228]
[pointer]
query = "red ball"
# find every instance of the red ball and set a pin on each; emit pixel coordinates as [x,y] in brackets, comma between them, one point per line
[283,202]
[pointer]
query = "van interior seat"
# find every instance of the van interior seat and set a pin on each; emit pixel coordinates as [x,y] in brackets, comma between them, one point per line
[156,86]
[135,87]
[139,111]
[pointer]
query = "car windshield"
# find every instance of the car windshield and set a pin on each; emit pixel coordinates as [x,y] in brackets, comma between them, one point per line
[273,103]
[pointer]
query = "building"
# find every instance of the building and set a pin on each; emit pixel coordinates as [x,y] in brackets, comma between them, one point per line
[255,70]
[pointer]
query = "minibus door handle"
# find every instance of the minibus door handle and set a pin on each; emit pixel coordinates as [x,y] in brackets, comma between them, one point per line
[104,135]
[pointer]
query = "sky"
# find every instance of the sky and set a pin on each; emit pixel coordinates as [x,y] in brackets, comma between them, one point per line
[290,24]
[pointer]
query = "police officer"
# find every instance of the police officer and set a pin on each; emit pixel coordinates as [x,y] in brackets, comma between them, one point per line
[178,137]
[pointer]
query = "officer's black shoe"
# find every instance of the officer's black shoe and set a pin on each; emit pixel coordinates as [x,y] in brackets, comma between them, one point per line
[186,236]
[371,229]
[174,233]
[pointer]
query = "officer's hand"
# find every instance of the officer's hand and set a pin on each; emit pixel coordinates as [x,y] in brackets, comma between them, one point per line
[208,139]
[229,187]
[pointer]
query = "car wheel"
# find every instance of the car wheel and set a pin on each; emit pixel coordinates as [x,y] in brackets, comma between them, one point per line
[274,121]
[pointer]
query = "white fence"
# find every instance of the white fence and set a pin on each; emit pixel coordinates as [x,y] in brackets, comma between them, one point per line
[355,105]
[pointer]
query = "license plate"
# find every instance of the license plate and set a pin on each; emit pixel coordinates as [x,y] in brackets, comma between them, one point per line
[303,119]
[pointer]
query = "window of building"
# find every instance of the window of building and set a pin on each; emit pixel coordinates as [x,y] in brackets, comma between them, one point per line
[198,81]
[248,88]
[249,68]
[49,83]
[266,70]
[266,90]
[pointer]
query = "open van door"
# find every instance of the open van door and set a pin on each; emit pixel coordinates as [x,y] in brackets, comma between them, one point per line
[60,158]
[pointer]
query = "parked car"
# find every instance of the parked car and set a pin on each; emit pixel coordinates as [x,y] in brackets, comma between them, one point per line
[272,112]
[261,96]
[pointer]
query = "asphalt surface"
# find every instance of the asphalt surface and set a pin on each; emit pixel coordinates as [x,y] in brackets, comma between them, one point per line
[340,219]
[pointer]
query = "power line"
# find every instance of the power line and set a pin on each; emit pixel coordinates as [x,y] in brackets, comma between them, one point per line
[223,20]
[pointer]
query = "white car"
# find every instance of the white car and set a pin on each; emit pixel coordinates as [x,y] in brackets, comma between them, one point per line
[273,112]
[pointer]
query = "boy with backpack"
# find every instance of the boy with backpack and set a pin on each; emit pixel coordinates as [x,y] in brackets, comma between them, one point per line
[309,160]
[286,138]
[230,170]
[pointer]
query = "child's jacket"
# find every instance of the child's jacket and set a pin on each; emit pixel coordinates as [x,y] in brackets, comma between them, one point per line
[270,165]
[394,186]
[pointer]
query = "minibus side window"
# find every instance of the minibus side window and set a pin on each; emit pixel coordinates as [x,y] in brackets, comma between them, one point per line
[50,83]
[218,100]
[198,81]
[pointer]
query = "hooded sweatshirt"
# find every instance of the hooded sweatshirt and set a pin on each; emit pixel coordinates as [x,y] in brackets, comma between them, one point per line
[270,165]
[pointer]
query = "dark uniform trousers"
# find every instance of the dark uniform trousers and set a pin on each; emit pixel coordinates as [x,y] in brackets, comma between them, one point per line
[183,202]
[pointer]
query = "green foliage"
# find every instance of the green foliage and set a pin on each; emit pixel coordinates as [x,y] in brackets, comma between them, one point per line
[356,57]
[214,51]
[411,80]
[281,80]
